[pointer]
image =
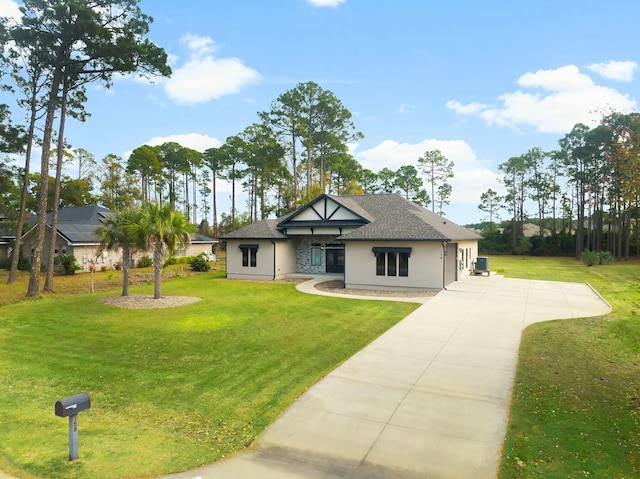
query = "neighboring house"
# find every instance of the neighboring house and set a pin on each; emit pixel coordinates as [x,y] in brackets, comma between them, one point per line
[376,241]
[76,236]
[530,230]
[6,241]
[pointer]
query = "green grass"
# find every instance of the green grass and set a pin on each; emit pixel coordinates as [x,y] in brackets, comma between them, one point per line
[171,389]
[575,408]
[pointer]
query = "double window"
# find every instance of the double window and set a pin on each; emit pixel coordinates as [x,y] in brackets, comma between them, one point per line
[392,261]
[249,255]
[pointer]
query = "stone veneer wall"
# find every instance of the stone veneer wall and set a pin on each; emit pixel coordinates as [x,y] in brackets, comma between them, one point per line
[303,254]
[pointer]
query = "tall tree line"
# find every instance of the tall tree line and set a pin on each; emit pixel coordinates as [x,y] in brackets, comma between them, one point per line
[56,49]
[588,189]
[295,151]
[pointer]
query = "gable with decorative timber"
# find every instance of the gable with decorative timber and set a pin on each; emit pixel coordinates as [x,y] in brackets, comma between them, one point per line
[323,216]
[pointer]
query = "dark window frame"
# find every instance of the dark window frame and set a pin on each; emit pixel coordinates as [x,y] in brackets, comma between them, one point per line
[392,260]
[403,264]
[249,255]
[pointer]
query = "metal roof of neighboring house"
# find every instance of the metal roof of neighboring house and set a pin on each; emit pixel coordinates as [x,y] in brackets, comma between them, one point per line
[77,224]
[88,215]
[387,217]
[198,238]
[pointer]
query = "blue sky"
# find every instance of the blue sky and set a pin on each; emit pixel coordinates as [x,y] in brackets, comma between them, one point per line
[480,80]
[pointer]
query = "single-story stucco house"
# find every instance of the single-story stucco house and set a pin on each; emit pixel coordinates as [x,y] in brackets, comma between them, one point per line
[376,241]
[76,236]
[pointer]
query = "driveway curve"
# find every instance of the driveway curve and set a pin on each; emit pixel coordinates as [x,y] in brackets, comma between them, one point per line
[427,399]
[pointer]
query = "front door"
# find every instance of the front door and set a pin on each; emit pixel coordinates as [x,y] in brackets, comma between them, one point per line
[335,260]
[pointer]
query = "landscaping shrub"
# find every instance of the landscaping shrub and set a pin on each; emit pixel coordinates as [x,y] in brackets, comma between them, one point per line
[199,263]
[171,260]
[596,257]
[69,263]
[145,262]
[24,264]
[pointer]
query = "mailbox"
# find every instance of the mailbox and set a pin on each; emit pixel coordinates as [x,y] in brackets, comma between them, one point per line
[73,405]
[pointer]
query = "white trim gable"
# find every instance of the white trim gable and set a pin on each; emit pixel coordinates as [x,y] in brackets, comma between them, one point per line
[323,216]
[325,209]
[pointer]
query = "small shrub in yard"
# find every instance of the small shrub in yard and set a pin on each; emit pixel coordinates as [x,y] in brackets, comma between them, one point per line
[69,263]
[170,261]
[200,263]
[145,262]
[596,257]
[24,264]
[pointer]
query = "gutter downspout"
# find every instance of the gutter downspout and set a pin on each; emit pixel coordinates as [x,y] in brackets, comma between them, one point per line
[274,259]
[226,260]
[444,265]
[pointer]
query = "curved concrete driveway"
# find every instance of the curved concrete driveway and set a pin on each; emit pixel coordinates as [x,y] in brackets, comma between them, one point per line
[428,399]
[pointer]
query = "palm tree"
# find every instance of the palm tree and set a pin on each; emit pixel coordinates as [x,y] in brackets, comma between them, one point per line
[165,230]
[121,230]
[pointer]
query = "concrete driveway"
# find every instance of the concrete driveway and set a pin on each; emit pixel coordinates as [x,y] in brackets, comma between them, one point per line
[428,399]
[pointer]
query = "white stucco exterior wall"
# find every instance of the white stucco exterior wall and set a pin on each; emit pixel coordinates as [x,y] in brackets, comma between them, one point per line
[466,257]
[425,266]
[285,258]
[264,269]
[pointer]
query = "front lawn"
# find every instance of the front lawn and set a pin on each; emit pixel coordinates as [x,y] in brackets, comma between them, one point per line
[171,389]
[575,408]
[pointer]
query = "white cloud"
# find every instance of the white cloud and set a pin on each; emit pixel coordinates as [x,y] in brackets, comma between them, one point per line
[10,9]
[469,183]
[567,78]
[391,154]
[194,141]
[468,109]
[567,97]
[405,109]
[471,176]
[325,3]
[614,70]
[203,77]
[198,45]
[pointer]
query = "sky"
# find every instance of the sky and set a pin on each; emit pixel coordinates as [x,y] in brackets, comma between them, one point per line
[480,80]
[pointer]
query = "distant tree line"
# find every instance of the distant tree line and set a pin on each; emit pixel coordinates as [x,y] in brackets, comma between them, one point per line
[585,195]
[48,58]
[276,169]
[294,151]
[297,150]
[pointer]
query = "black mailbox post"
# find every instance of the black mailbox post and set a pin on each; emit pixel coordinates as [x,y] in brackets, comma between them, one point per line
[70,407]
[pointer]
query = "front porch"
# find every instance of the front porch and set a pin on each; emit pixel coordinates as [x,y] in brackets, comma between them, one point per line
[319,254]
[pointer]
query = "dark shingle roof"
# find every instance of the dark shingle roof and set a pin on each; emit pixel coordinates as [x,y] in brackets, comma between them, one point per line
[396,218]
[77,224]
[265,229]
[387,217]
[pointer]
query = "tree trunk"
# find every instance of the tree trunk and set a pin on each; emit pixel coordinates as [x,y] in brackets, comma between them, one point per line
[194,205]
[215,205]
[580,219]
[34,278]
[22,215]
[158,262]
[126,259]
[233,198]
[48,284]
